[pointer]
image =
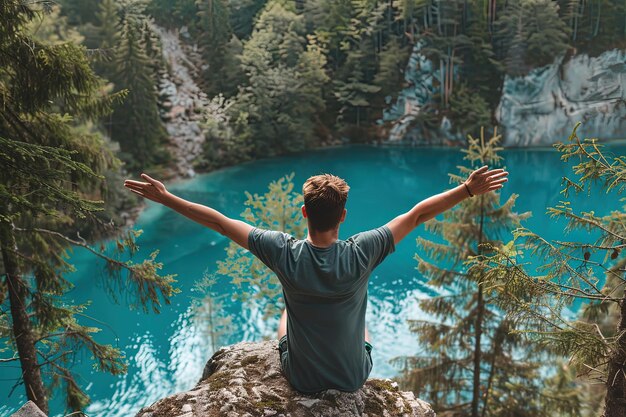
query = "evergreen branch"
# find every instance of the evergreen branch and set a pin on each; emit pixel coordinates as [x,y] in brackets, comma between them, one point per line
[48,360]
[587,220]
[554,252]
[145,273]
[580,245]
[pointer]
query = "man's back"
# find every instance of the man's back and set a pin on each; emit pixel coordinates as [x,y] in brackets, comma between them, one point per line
[325,293]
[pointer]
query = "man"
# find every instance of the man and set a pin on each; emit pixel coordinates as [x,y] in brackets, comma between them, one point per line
[323,341]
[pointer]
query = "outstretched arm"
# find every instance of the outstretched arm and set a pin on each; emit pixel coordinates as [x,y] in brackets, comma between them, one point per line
[479,182]
[154,190]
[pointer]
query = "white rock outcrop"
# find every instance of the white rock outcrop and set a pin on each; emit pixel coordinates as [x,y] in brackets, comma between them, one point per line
[538,109]
[542,107]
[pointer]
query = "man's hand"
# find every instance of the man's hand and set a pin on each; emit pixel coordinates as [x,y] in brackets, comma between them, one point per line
[482,181]
[152,190]
[479,182]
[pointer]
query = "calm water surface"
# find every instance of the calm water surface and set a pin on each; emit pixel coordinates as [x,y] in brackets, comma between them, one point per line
[166,352]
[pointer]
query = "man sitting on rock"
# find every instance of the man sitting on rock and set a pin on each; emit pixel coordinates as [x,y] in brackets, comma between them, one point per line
[323,341]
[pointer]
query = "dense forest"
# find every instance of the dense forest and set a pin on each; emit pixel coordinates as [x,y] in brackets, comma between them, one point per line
[81,108]
[284,76]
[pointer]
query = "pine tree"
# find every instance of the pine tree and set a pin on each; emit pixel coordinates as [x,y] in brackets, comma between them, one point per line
[52,28]
[277,209]
[80,12]
[108,35]
[51,180]
[355,87]
[174,13]
[209,313]
[468,110]
[597,25]
[285,74]
[530,34]
[136,123]
[228,137]
[390,74]
[446,42]
[589,272]
[214,33]
[473,364]
[243,13]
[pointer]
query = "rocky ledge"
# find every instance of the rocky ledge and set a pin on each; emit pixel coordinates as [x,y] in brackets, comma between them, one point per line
[245,380]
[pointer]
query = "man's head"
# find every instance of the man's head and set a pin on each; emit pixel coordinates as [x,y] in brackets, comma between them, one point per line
[324,201]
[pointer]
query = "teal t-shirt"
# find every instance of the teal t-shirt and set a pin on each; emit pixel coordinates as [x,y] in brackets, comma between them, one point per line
[325,292]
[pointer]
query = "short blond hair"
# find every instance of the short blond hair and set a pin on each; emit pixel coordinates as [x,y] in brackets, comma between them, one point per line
[325,198]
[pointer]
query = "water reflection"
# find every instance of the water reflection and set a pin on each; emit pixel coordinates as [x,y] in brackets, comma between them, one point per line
[166,353]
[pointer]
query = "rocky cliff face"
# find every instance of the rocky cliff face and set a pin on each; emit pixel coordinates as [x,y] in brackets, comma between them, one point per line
[181,100]
[538,109]
[421,78]
[543,107]
[245,380]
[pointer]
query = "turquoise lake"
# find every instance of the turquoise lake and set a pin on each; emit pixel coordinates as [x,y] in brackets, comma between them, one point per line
[167,352]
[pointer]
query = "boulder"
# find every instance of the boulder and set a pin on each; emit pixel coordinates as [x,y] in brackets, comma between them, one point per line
[245,380]
[29,409]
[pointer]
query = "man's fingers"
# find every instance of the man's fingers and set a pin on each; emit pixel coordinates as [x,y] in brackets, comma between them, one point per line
[137,192]
[477,172]
[143,195]
[494,187]
[149,179]
[131,182]
[135,187]
[503,180]
[497,178]
[498,175]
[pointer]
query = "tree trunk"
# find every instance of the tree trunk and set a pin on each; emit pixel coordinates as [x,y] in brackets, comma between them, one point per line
[615,400]
[477,351]
[22,330]
[478,327]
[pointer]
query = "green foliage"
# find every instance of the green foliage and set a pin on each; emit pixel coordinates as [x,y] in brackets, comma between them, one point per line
[53,182]
[285,72]
[108,26]
[243,14]
[472,361]
[214,33]
[136,122]
[228,138]
[79,12]
[173,12]
[277,209]
[52,28]
[469,110]
[365,46]
[590,271]
[531,34]
[595,26]
[209,314]
[391,67]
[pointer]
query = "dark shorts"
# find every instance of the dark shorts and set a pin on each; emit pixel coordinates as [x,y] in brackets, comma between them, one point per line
[282,349]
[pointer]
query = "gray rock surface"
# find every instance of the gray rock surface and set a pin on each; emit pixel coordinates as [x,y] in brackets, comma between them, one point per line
[29,409]
[182,102]
[421,78]
[245,380]
[542,107]
[538,109]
